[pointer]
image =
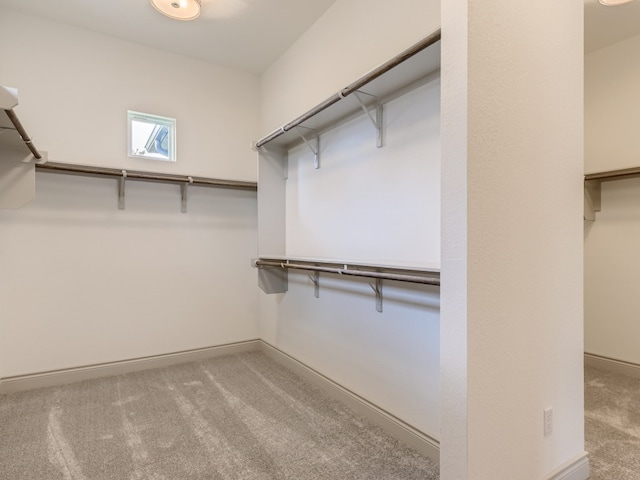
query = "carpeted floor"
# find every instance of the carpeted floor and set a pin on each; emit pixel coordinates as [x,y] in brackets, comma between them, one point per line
[612,425]
[236,417]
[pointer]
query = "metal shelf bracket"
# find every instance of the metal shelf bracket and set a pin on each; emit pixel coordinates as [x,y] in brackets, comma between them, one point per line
[592,199]
[121,189]
[378,291]
[314,145]
[315,279]
[183,195]
[377,121]
[121,182]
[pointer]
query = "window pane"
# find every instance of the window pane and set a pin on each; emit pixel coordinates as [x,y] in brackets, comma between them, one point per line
[151,136]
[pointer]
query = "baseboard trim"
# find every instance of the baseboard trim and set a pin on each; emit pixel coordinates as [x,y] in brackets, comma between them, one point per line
[576,469]
[70,375]
[420,441]
[612,365]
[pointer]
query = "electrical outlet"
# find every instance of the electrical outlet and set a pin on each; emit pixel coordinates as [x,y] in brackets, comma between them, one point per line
[548,421]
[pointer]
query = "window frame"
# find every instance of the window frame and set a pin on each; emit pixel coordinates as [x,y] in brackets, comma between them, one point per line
[159,122]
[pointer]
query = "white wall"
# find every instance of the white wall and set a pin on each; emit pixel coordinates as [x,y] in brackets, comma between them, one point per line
[76,86]
[82,282]
[611,254]
[368,204]
[350,39]
[390,358]
[512,163]
[611,113]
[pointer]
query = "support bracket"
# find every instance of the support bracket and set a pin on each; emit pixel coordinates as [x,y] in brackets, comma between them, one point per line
[592,199]
[315,279]
[377,121]
[378,291]
[314,145]
[183,195]
[121,182]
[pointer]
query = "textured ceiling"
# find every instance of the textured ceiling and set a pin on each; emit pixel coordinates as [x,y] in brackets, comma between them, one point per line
[245,34]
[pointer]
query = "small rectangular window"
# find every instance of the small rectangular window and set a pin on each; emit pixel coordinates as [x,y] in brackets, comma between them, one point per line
[151,136]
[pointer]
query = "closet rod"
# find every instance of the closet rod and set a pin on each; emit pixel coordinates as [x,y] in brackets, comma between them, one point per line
[66,168]
[369,77]
[23,133]
[613,174]
[400,277]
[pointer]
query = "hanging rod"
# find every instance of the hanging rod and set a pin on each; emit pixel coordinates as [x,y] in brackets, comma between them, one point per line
[400,277]
[23,133]
[66,168]
[613,174]
[364,80]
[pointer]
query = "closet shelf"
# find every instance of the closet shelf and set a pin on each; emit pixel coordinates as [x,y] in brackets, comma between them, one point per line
[18,155]
[404,274]
[391,78]
[123,175]
[272,276]
[402,74]
[592,188]
[85,170]
[13,136]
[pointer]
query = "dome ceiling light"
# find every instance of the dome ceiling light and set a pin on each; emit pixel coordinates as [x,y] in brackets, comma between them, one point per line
[178,9]
[614,3]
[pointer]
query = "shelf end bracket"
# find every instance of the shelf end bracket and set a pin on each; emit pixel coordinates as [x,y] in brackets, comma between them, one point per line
[592,199]
[183,195]
[377,121]
[378,291]
[314,146]
[121,181]
[315,279]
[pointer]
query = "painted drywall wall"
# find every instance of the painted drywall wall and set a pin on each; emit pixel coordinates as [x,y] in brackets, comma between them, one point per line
[512,163]
[611,259]
[76,86]
[350,39]
[82,282]
[362,203]
[389,358]
[610,104]
[376,206]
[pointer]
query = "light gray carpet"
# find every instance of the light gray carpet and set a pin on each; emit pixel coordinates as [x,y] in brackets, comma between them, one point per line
[612,425]
[236,417]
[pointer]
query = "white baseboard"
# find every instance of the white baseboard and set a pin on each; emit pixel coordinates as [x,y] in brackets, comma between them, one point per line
[611,364]
[576,469]
[70,375]
[394,426]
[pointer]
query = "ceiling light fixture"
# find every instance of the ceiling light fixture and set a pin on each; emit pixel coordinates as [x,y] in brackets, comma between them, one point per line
[614,3]
[178,9]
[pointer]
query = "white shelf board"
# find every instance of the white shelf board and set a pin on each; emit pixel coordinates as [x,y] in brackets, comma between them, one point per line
[9,137]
